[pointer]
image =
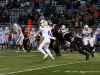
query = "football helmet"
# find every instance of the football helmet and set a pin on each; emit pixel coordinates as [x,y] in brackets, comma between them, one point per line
[98,29]
[1,30]
[43,23]
[86,27]
[15,25]
[6,28]
[63,27]
[32,29]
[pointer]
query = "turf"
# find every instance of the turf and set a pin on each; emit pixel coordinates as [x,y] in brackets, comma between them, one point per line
[32,63]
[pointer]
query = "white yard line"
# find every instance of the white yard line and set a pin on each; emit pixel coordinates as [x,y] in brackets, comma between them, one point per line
[20,56]
[47,67]
[5,69]
[56,71]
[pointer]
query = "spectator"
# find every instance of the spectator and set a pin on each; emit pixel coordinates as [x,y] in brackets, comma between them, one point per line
[12,4]
[36,17]
[22,5]
[49,20]
[65,22]
[7,18]
[55,21]
[25,19]
[73,21]
[52,18]
[31,16]
[95,16]
[1,18]
[88,5]
[91,21]
[6,10]
[77,18]
[77,4]
[42,16]
[7,5]
[18,4]
[99,13]
[68,5]
[1,7]
[60,22]
[20,20]
[33,11]
[63,19]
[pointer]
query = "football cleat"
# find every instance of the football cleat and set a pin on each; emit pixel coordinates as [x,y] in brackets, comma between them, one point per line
[87,57]
[17,51]
[45,56]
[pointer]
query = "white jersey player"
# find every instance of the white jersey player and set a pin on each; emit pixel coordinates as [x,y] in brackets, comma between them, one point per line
[6,36]
[96,32]
[45,39]
[20,36]
[32,33]
[1,37]
[87,35]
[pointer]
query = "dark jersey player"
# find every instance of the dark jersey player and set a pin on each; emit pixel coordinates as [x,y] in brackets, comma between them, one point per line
[76,41]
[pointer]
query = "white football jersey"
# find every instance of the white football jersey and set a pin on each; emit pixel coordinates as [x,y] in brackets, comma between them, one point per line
[16,30]
[1,37]
[6,32]
[46,32]
[96,32]
[32,34]
[87,34]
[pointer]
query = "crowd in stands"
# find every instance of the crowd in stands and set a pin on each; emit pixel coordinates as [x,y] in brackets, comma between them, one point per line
[85,15]
[4,10]
[43,10]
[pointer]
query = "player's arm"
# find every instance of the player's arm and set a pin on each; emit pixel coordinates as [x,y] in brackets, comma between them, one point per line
[19,32]
[36,34]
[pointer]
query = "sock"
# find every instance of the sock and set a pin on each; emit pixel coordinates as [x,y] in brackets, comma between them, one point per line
[48,51]
[23,49]
[17,49]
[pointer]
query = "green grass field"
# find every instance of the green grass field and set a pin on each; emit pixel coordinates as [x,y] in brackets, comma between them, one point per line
[32,63]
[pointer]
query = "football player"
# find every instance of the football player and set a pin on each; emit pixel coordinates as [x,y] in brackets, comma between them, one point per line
[20,36]
[64,31]
[6,34]
[45,38]
[32,33]
[87,36]
[1,38]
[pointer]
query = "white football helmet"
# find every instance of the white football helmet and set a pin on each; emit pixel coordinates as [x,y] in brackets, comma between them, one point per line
[15,25]
[6,28]
[43,23]
[98,29]
[32,29]
[86,27]
[1,30]
[63,27]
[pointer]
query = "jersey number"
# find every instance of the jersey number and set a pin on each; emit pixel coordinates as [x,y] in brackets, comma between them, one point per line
[49,33]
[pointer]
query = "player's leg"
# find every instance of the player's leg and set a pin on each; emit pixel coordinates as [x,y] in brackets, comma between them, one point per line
[81,51]
[85,42]
[25,45]
[46,48]
[91,45]
[21,43]
[40,46]
[17,43]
